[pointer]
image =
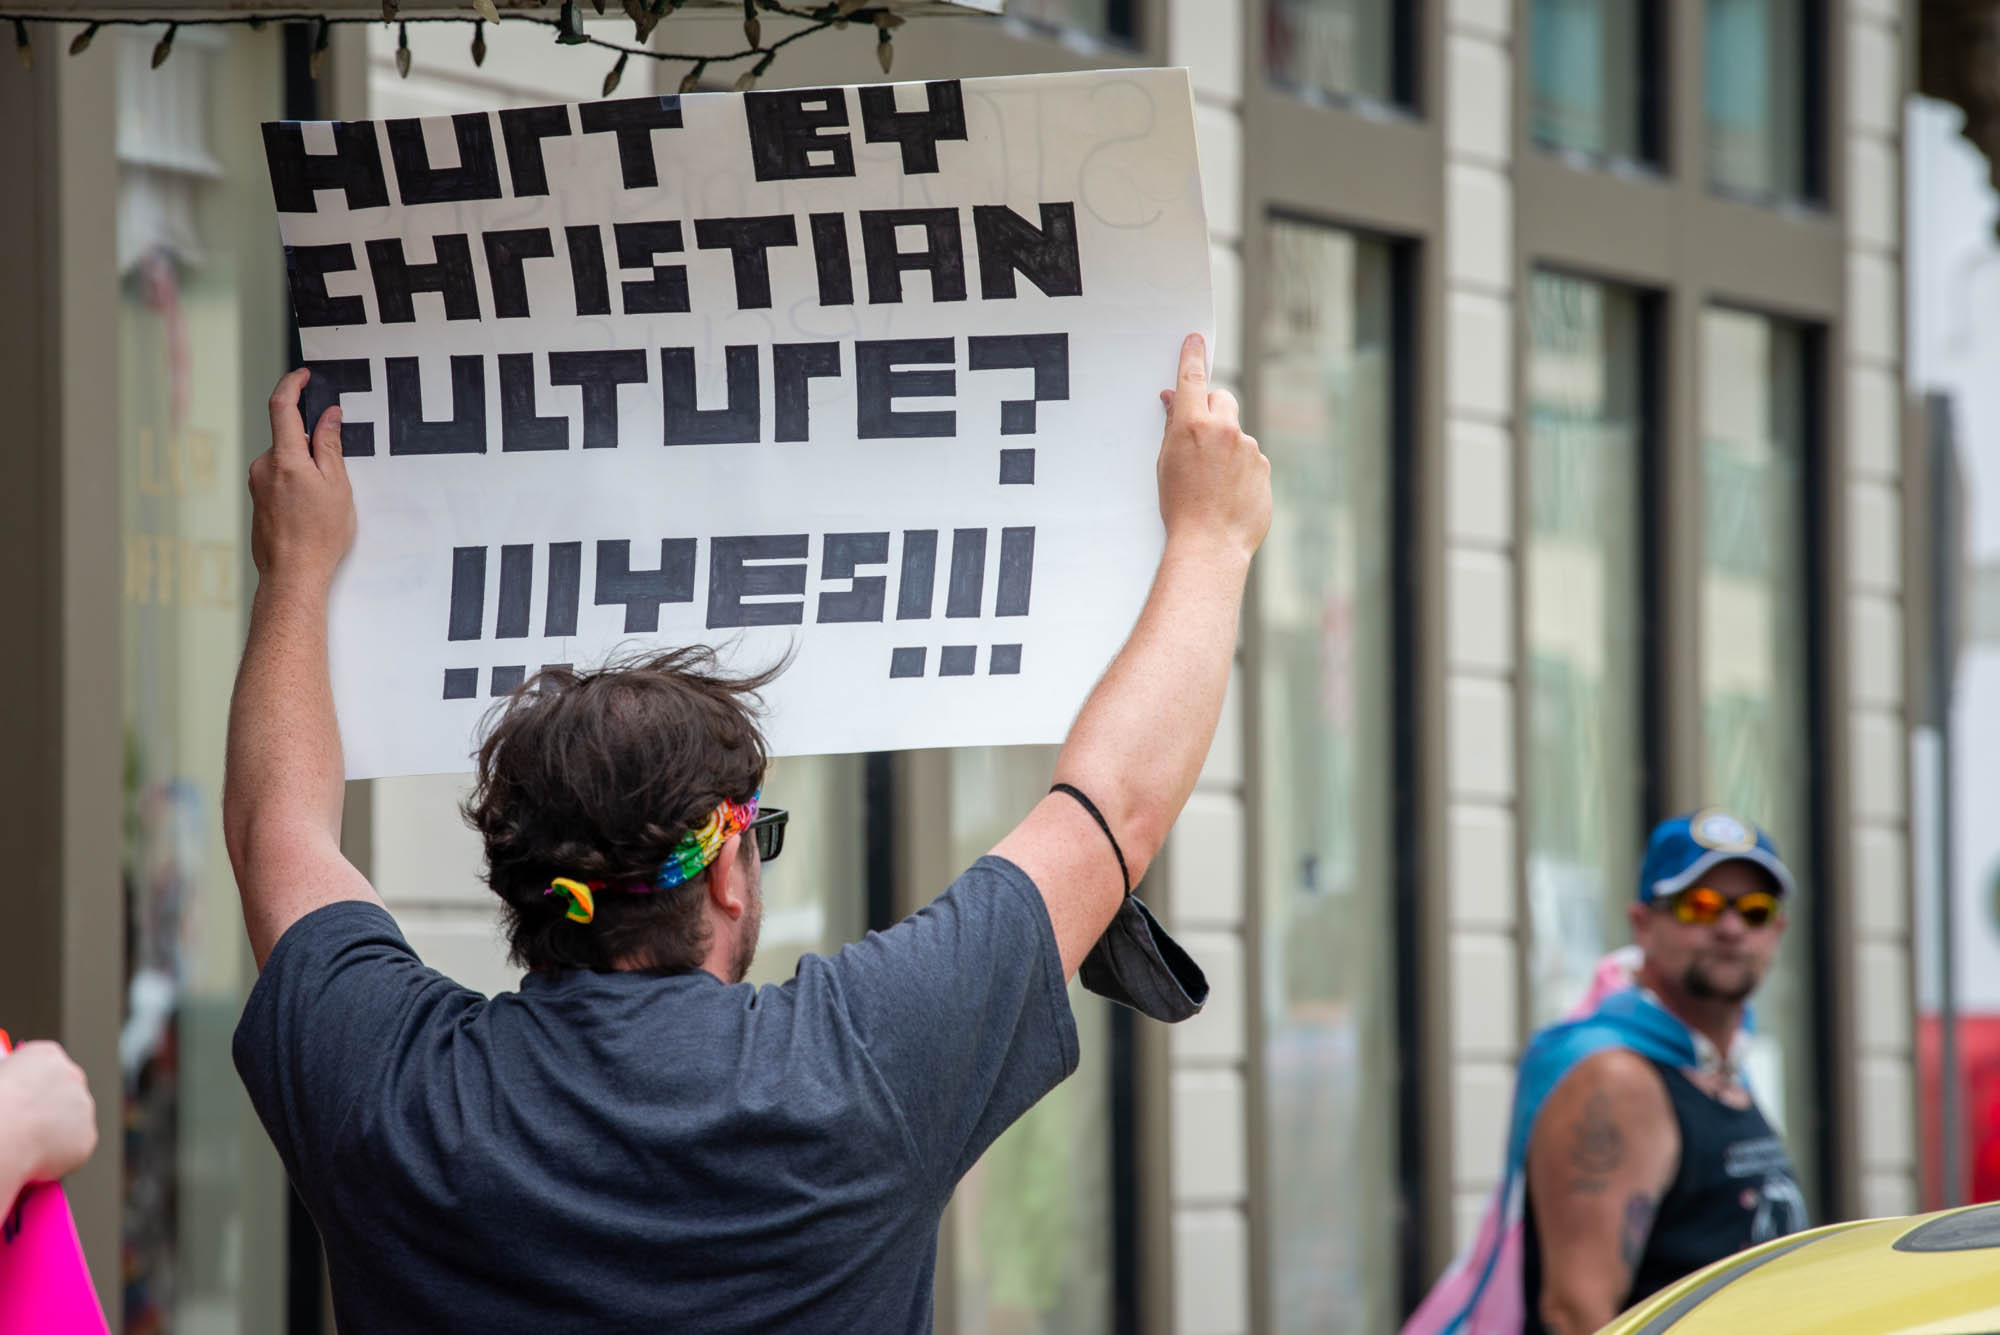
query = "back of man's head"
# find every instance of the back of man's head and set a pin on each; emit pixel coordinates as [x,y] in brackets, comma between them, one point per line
[595,776]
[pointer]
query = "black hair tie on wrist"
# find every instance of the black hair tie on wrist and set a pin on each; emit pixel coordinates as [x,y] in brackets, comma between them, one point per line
[1136,963]
[1103,825]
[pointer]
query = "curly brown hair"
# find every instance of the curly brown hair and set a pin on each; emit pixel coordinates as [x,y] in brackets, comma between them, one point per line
[596,775]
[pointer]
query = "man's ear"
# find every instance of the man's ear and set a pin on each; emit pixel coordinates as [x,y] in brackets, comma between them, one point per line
[727,887]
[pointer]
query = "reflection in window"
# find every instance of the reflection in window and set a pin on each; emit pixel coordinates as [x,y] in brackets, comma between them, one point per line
[1758,98]
[1031,1223]
[1105,20]
[1593,77]
[1585,603]
[1324,412]
[200,342]
[1755,638]
[815,893]
[1332,48]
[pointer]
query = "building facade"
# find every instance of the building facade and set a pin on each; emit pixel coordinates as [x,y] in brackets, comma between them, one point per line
[1573,331]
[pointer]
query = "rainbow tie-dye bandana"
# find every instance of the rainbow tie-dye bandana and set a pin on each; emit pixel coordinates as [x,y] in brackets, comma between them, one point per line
[690,858]
[698,847]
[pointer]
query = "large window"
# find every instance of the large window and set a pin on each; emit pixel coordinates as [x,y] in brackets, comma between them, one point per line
[1760,63]
[1032,1225]
[1585,610]
[200,342]
[1335,49]
[1596,69]
[1328,761]
[1756,643]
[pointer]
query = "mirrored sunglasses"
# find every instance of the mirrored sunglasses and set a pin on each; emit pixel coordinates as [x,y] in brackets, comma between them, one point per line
[1701,905]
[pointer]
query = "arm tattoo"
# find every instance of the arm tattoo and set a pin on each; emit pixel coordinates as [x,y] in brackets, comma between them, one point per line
[1637,1229]
[1597,1147]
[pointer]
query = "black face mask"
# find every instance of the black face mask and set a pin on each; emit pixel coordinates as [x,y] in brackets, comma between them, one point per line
[1135,963]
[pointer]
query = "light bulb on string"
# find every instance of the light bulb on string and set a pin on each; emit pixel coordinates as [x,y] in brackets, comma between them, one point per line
[316,62]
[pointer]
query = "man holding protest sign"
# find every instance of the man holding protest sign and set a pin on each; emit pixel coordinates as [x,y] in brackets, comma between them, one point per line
[637,1135]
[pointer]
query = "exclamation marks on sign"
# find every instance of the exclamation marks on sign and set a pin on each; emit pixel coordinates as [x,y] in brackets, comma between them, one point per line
[968,572]
[565,588]
[468,592]
[466,619]
[517,585]
[1017,572]
[965,597]
[913,594]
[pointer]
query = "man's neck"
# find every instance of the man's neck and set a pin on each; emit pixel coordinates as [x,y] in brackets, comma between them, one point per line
[1717,1021]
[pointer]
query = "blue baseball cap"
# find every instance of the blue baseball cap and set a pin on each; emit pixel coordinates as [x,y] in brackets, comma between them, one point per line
[1682,850]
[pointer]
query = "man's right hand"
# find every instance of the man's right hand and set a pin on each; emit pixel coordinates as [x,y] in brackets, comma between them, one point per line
[1214,481]
[48,1121]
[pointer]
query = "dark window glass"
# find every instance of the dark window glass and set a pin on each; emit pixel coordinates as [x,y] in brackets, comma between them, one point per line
[1759,100]
[1326,394]
[1585,616]
[1756,644]
[1104,20]
[200,336]
[1594,76]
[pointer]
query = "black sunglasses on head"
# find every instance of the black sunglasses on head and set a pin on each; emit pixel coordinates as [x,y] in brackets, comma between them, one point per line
[769,832]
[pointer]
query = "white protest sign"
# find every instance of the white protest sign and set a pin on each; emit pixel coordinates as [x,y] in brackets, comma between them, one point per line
[863,376]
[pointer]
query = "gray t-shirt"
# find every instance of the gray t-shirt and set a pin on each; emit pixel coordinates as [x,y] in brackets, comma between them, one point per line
[613,1152]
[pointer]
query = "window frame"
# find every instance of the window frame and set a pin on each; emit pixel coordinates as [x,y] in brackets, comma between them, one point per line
[1654,577]
[1673,235]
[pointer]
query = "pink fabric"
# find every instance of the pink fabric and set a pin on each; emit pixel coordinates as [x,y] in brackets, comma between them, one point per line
[44,1284]
[1490,1283]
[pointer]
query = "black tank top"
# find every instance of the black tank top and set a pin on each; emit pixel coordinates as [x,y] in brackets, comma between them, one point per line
[1733,1189]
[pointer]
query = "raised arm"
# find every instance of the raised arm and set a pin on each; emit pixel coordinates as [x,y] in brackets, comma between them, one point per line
[1604,1149]
[282,797]
[1139,742]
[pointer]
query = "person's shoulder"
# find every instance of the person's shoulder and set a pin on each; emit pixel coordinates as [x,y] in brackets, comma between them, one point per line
[344,923]
[1615,1083]
[999,884]
[1617,1069]
[992,869]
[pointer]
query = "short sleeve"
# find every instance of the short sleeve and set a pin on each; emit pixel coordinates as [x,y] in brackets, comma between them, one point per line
[338,1000]
[964,1011]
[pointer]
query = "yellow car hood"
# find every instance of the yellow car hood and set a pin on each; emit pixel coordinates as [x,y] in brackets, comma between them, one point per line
[1936,1274]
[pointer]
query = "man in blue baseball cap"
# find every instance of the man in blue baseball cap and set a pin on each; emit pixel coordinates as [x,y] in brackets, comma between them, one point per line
[1636,1153]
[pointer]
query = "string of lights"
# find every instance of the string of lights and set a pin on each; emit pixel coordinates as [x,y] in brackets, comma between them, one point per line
[567,27]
